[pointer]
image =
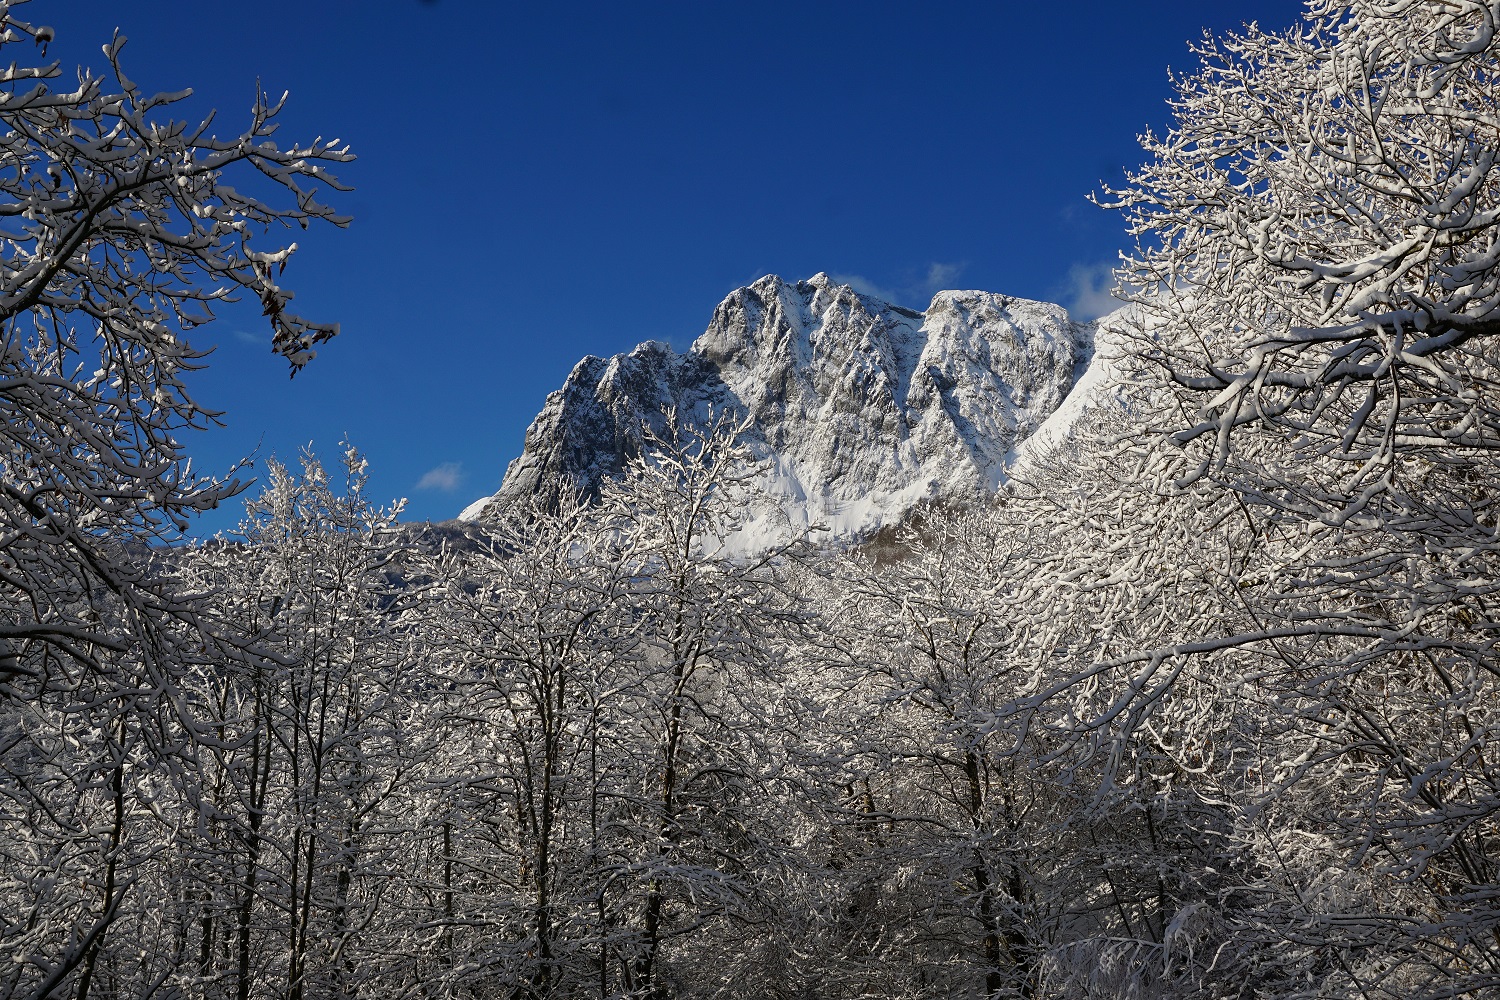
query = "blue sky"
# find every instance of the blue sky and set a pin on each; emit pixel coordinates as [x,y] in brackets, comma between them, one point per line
[541,181]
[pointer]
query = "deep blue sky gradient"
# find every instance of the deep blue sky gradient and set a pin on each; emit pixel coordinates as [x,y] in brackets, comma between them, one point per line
[541,181]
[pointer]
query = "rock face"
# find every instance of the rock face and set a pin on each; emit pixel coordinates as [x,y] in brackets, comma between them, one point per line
[859,409]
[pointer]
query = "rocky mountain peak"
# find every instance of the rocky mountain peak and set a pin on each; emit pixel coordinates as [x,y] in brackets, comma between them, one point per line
[860,409]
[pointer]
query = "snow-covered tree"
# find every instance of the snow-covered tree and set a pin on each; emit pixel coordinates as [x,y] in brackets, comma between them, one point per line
[524,651]
[119,231]
[1318,280]
[943,819]
[1319,232]
[322,813]
[711,634]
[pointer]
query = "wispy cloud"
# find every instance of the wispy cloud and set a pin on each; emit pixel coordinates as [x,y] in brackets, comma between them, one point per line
[252,338]
[865,286]
[941,276]
[1089,291]
[444,478]
[916,289]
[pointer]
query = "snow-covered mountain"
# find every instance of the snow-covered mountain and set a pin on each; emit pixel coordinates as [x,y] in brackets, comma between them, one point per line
[859,409]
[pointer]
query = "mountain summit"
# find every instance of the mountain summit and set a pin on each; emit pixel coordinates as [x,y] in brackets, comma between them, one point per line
[860,409]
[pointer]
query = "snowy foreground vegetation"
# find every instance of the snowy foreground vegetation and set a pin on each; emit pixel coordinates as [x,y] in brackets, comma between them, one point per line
[1207,707]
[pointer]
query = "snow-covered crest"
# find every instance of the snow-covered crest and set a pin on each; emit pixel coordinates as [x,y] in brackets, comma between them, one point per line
[858,409]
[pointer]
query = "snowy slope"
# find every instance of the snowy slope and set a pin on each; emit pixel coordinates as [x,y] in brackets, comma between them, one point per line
[859,409]
[1099,390]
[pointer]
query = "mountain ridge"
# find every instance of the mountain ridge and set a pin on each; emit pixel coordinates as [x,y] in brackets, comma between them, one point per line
[858,409]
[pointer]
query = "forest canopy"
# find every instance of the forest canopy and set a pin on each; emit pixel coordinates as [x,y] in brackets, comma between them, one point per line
[1205,707]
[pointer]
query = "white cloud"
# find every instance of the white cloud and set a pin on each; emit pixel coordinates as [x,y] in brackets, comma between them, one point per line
[1089,293]
[941,277]
[865,286]
[445,478]
[916,292]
